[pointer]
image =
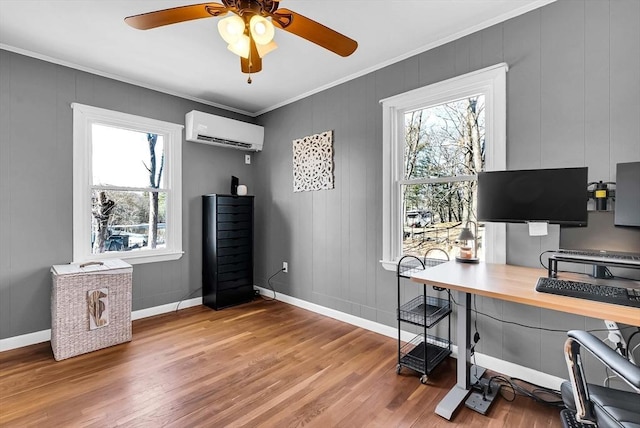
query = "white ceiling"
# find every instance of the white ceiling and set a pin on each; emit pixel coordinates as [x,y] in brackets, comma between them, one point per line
[191,60]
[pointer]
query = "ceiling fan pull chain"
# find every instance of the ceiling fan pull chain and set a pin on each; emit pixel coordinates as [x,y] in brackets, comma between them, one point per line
[250,67]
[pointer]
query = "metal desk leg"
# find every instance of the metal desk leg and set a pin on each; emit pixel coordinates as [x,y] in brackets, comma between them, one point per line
[461,389]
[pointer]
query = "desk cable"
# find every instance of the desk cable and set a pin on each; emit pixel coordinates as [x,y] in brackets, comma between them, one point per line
[509,383]
[269,299]
[538,392]
[186,296]
[532,327]
[606,269]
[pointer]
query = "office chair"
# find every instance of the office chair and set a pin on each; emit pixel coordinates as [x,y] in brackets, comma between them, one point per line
[592,405]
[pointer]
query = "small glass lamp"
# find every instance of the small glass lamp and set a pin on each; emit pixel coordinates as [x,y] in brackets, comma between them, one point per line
[468,254]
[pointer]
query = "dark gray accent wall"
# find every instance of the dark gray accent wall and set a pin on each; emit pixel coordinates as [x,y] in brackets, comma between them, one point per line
[36,185]
[573,99]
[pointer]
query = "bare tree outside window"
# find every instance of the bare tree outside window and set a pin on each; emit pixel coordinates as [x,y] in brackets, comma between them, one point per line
[154,182]
[444,150]
[102,212]
[128,198]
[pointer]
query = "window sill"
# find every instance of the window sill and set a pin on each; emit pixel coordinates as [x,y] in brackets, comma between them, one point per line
[138,259]
[389,265]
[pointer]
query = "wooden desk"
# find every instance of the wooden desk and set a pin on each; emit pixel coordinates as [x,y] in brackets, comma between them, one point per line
[517,284]
[513,284]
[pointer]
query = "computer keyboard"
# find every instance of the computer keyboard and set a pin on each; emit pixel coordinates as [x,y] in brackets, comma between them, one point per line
[584,290]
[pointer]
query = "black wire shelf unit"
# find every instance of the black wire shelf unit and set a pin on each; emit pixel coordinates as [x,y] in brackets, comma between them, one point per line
[425,351]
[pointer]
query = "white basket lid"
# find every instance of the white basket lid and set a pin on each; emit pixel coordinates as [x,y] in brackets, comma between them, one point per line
[108,266]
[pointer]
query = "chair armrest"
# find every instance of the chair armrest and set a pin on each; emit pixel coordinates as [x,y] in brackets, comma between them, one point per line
[627,371]
[617,363]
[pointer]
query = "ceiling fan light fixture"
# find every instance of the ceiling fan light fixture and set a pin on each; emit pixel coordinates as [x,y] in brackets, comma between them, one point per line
[265,49]
[249,28]
[262,30]
[231,29]
[241,47]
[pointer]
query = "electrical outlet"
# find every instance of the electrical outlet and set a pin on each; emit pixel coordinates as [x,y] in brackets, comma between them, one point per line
[247,159]
[285,267]
[615,335]
[611,325]
[616,338]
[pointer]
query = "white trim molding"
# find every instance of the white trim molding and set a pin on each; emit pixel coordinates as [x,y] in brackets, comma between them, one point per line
[490,81]
[84,117]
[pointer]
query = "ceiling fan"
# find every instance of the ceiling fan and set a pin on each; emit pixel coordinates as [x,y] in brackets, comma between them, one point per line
[249,30]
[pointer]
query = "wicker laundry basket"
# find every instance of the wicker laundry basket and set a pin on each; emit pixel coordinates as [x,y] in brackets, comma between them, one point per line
[90,307]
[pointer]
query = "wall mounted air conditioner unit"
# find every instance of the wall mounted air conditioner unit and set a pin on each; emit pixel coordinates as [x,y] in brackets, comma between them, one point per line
[221,131]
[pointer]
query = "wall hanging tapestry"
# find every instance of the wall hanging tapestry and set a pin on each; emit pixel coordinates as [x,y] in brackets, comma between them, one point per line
[313,162]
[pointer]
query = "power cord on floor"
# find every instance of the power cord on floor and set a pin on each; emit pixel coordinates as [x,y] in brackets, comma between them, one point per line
[537,393]
[269,299]
[510,383]
[191,293]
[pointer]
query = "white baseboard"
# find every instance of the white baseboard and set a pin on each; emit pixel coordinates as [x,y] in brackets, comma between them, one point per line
[45,335]
[504,367]
[25,340]
[163,309]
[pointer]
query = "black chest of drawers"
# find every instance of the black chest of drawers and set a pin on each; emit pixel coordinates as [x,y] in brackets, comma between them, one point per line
[227,250]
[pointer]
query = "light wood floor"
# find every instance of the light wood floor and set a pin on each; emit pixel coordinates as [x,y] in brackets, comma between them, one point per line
[264,364]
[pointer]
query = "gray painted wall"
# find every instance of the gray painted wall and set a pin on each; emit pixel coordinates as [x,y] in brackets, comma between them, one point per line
[573,94]
[36,185]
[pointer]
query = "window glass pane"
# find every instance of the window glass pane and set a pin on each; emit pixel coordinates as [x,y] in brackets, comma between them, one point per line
[124,221]
[125,158]
[445,140]
[434,215]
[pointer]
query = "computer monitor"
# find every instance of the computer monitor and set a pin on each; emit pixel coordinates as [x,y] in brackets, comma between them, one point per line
[627,206]
[601,234]
[555,195]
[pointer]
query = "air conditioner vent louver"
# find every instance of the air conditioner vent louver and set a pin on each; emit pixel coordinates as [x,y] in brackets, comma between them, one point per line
[224,132]
[223,141]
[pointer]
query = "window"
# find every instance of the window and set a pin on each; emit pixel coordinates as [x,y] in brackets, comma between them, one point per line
[435,140]
[127,187]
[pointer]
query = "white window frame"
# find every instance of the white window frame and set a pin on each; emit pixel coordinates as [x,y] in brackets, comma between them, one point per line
[491,82]
[84,117]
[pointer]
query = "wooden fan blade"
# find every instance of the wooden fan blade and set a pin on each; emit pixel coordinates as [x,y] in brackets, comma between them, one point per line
[314,32]
[146,21]
[253,64]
